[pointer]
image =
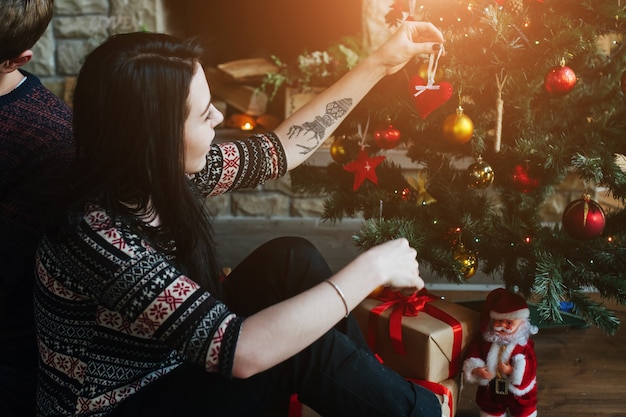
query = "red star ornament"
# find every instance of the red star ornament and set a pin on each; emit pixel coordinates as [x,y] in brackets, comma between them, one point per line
[364,168]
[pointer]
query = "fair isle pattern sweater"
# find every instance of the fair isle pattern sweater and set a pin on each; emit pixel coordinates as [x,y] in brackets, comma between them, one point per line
[115,314]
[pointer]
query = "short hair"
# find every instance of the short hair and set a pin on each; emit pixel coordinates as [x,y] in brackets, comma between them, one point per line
[22,22]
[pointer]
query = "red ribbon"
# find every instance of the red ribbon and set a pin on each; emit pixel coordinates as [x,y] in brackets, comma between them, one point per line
[437,389]
[295,406]
[411,306]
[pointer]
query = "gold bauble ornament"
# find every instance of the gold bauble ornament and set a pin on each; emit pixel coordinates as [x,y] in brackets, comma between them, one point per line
[422,71]
[480,175]
[466,260]
[458,128]
[343,149]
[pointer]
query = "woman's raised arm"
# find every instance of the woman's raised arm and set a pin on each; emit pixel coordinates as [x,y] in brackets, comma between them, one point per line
[305,130]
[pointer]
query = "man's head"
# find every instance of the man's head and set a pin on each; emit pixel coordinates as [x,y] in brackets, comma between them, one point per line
[22,22]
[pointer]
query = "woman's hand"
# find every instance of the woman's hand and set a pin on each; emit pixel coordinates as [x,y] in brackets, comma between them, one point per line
[410,39]
[302,132]
[396,263]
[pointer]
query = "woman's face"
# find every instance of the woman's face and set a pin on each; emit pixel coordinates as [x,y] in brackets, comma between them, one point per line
[200,124]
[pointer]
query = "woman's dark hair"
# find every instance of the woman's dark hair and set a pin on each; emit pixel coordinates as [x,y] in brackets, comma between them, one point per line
[130,107]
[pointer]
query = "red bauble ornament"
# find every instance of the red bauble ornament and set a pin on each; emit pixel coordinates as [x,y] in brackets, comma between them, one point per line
[559,80]
[431,98]
[522,179]
[387,137]
[583,219]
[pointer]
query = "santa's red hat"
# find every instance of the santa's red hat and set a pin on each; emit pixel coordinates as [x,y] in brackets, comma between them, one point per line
[503,304]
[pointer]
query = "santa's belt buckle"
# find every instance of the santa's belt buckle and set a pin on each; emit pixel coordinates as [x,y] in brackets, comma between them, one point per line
[501,386]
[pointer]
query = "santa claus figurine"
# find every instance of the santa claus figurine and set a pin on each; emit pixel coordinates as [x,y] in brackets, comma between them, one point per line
[501,359]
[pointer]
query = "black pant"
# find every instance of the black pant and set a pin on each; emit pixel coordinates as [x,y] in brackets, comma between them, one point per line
[336,376]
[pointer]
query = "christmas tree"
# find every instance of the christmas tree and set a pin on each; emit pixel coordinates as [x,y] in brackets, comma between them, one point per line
[528,94]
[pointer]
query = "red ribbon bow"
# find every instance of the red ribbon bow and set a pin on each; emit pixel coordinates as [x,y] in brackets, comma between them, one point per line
[440,390]
[411,306]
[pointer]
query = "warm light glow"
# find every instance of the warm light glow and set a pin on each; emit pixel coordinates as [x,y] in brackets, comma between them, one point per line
[610,239]
[527,239]
[242,121]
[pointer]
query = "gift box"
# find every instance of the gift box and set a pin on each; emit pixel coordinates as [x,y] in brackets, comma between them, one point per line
[448,392]
[421,336]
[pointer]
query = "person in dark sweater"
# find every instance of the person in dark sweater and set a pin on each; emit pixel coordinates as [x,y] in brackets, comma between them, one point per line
[35,150]
[133,317]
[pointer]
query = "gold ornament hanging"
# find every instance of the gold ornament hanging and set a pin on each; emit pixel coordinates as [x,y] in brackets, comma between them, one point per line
[480,174]
[467,261]
[343,149]
[458,128]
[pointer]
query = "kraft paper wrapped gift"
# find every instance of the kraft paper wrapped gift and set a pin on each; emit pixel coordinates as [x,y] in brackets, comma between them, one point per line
[421,337]
[447,391]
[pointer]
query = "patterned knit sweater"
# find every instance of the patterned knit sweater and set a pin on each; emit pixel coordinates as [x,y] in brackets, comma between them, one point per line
[115,314]
[36,148]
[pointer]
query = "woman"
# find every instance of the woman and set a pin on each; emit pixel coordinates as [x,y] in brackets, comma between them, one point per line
[132,316]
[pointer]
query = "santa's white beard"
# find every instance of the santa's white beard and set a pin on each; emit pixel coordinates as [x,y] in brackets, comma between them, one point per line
[520,337]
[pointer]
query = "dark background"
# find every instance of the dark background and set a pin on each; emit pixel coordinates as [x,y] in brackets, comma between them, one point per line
[235,29]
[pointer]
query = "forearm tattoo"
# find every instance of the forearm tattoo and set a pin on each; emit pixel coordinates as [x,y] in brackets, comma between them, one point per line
[314,132]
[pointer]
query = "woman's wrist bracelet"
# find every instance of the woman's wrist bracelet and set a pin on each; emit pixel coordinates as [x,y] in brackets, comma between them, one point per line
[343,298]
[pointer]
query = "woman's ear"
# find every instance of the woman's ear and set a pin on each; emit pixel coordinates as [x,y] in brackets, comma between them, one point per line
[12,64]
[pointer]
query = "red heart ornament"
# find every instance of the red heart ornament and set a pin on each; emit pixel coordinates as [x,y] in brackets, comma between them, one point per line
[431,98]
